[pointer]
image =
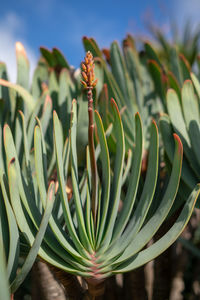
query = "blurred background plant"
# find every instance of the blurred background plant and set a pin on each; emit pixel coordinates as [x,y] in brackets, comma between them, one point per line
[186,41]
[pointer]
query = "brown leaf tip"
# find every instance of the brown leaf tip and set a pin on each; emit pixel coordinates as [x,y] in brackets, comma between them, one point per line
[87,73]
[180,146]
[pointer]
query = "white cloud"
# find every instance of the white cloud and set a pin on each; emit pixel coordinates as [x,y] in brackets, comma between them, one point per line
[11,30]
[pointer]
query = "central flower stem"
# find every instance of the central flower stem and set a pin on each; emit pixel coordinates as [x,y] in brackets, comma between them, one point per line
[92,154]
[89,83]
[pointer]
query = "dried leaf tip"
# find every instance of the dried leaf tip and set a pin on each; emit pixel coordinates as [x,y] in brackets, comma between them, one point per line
[87,73]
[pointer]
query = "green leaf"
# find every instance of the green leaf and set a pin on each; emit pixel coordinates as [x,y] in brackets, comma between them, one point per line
[46,114]
[22,66]
[60,59]
[152,54]
[91,45]
[121,76]
[150,228]
[191,116]
[13,253]
[38,240]
[167,240]
[117,180]
[187,174]
[138,218]
[134,180]
[158,77]
[105,160]
[175,65]
[4,288]
[74,175]
[196,83]
[39,77]
[48,57]
[65,100]
[66,210]
[178,122]
[26,96]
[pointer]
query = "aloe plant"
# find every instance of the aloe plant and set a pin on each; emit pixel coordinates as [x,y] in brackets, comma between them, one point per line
[88,235]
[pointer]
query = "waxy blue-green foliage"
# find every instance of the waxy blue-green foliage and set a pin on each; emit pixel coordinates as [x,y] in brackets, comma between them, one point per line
[38,143]
[71,241]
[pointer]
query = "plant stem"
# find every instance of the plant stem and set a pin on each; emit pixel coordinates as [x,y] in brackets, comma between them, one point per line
[89,82]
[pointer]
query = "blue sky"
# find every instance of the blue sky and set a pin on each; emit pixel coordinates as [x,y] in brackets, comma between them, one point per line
[62,24]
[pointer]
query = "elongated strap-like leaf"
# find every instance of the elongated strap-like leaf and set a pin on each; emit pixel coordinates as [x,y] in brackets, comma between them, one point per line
[60,59]
[157,76]
[74,174]
[115,92]
[121,75]
[39,164]
[91,45]
[88,210]
[66,210]
[65,99]
[29,203]
[46,114]
[185,67]
[133,66]
[32,122]
[127,167]
[162,211]
[26,96]
[144,203]
[13,253]
[117,180]
[196,83]
[22,66]
[105,177]
[174,84]
[37,242]
[151,53]
[188,176]
[25,140]
[167,240]
[4,287]
[191,115]
[40,75]
[53,253]
[175,65]
[176,116]
[133,181]
[10,154]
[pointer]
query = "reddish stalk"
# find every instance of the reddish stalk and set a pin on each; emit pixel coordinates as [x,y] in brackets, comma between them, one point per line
[89,83]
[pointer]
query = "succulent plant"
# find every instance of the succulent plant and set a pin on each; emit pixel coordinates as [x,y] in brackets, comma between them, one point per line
[125,78]
[13,183]
[186,43]
[88,235]
[183,118]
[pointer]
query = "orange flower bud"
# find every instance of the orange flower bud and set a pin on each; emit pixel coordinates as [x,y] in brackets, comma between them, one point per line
[95,82]
[84,83]
[84,76]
